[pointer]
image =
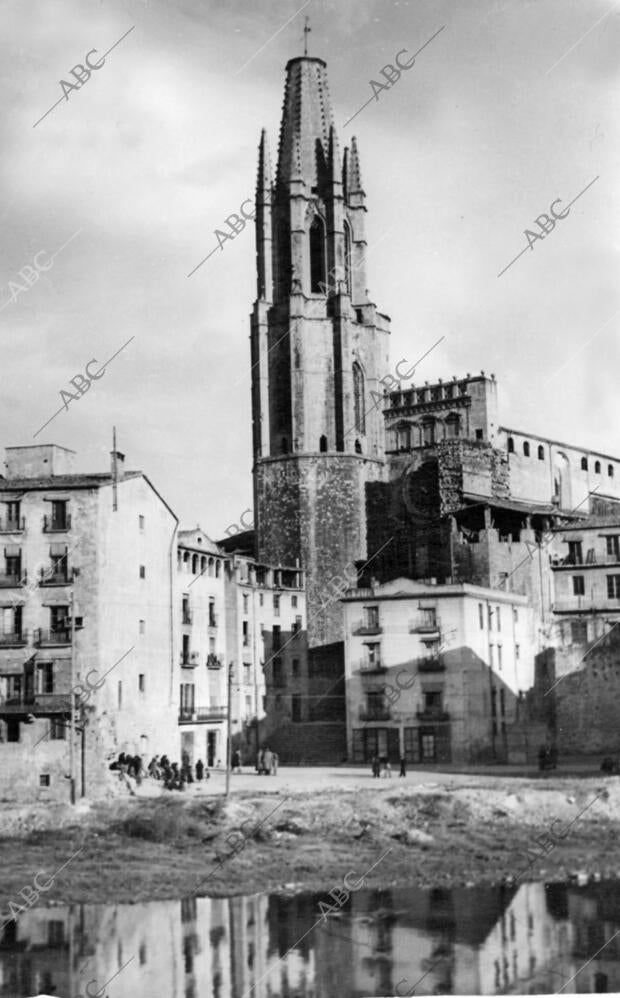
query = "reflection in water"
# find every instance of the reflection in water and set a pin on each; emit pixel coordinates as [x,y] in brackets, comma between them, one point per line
[484,940]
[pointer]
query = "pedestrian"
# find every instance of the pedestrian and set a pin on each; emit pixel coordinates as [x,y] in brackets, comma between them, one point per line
[376,766]
[137,769]
[200,769]
[260,762]
[403,766]
[274,764]
[236,761]
[267,757]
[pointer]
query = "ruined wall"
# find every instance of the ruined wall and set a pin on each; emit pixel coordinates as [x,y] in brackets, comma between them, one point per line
[470,466]
[584,704]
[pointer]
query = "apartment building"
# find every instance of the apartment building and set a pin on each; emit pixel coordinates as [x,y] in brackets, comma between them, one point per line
[435,673]
[266,622]
[201,647]
[86,605]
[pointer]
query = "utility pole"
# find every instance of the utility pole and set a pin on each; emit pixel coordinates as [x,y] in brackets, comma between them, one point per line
[71,703]
[228,727]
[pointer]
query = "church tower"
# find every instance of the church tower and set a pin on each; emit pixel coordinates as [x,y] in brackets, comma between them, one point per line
[319,347]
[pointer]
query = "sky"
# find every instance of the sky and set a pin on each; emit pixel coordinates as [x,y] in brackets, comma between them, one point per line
[512,105]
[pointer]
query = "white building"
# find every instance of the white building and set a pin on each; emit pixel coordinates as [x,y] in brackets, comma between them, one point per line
[435,673]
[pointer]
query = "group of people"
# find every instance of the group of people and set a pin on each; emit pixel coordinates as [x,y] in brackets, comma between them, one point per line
[267,762]
[174,777]
[381,768]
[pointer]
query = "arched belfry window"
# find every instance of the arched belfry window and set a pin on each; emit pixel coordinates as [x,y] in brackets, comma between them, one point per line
[358,399]
[347,259]
[317,256]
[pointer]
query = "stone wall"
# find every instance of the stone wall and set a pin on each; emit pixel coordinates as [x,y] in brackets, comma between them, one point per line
[470,466]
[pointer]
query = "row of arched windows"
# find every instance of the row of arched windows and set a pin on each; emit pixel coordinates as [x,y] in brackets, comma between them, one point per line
[404,436]
[541,457]
[199,564]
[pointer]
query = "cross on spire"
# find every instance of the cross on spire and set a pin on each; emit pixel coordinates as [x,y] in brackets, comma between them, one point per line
[307,31]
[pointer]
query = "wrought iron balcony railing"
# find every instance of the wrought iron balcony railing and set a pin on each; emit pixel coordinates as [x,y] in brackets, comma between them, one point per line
[38,704]
[52,636]
[189,715]
[14,640]
[12,580]
[375,713]
[16,526]
[56,525]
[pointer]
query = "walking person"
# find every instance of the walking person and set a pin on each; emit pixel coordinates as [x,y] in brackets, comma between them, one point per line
[200,769]
[267,757]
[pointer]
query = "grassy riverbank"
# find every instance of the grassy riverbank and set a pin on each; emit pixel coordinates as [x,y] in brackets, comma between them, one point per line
[138,849]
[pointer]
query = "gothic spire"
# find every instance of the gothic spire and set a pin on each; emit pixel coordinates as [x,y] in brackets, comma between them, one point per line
[306,120]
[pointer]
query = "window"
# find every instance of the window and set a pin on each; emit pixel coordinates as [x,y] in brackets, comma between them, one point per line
[541,453]
[433,702]
[279,678]
[293,602]
[142,572]
[248,707]
[44,680]
[579,585]
[58,730]
[578,632]
[247,673]
[246,634]
[481,616]
[185,649]
[479,434]
[428,432]
[515,614]
[296,708]
[511,445]
[502,702]
[276,606]
[358,399]
[491,655]
[246,603]
[613,586]
[371,617]
[141,522]
[323,444]
[453,425]
[597,467]
[317,255]
[44,779]
[373,654]
[212,616]
[499,661]
[613,547]
[499,618]
[59,519]
[141,626]
[517,652]
[13,560]
[58,567]
[59,619]
[120,693]
[429,616]
[526,448]
[142,953]
[489,617]
[295,666]
[13,518]
[610,470]
[141,682]
[575,553]
[347,259]
[584,464]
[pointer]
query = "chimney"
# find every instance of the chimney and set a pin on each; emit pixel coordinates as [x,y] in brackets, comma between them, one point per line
[118,465]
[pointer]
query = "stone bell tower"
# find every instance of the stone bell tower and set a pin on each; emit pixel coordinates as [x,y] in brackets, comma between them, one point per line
[319,347]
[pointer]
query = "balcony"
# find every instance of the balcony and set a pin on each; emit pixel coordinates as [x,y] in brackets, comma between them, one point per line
[424,625]
[15,640]
[189,660]
[431,665]
[375,713]
[51,638]
[56,525]
[39,704]
[186,617]
[52,577]
[200,715]
[432,715]
[372,668]
[214,662]
[367,627]
[12,526]
[12,580]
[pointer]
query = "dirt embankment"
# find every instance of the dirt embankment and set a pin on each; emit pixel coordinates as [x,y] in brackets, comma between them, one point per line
[134,850]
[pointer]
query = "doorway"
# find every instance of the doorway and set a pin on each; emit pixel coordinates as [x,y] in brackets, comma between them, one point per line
[211,748]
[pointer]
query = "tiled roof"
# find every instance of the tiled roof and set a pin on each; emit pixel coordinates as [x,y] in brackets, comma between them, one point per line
[91,481]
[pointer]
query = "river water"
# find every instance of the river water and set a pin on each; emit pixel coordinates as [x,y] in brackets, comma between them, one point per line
[481,940]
